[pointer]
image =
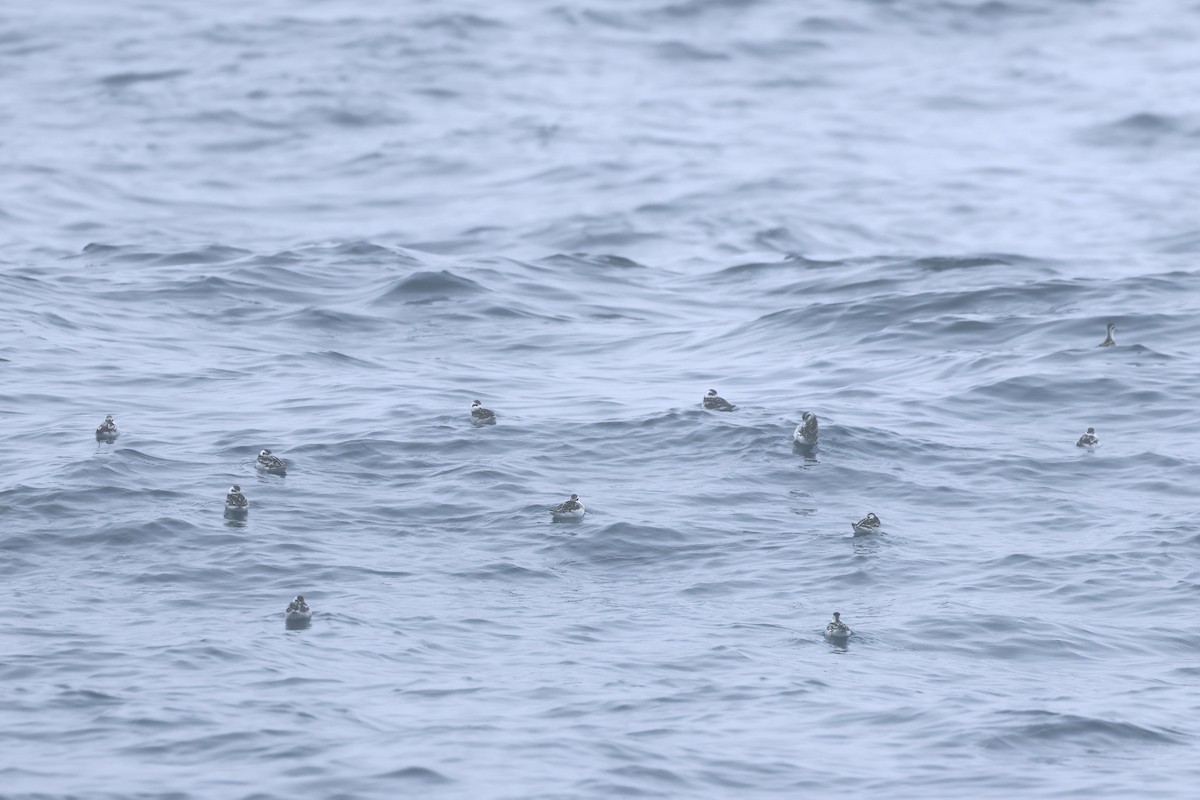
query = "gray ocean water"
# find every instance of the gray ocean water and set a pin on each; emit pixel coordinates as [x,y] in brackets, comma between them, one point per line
[324,228]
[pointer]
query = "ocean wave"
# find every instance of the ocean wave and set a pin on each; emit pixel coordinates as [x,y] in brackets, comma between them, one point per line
[327,231]
[1040,729]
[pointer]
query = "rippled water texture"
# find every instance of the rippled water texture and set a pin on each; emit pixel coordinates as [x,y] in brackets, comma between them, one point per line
[326,228]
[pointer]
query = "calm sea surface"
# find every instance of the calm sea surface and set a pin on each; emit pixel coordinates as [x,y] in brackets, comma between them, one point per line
[324,228]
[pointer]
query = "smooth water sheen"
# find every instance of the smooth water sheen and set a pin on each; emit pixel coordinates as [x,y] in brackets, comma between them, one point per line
[325,228]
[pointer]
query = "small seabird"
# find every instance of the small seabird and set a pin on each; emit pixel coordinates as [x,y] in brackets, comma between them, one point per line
[107,431]
[836,629]
[714,402]
[297,611]
[868,524]
[1109,341]
[236,503]
[269,462]
[1088,439]
[806,431]
[481,415]
[568,509]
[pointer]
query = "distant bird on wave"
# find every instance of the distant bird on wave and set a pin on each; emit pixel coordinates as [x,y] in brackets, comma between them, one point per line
[806,432]
[569,509]
[481,415]
[107,431]
[269,462]
[1109,341]
[298,613]
[236,503]
[836,629]
[868,524]
[714,402]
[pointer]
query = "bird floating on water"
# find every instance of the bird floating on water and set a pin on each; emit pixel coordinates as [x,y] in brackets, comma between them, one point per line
[1109,341]
[269,462]
[806,432]
[836,629]
[714,402]
[569,509]
[868,524]
[297,612]
[236,504]
[107,431]
[1088,439]
[481,415]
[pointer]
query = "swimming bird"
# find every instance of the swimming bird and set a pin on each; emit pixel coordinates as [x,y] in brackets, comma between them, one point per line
[298,611]
[107,431]
[568,509]
[1088,439]
[236,503]
[714,402]
[836,629]
[481,415]
[806,431]
[270,462]
[868,524]
[1109,341]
